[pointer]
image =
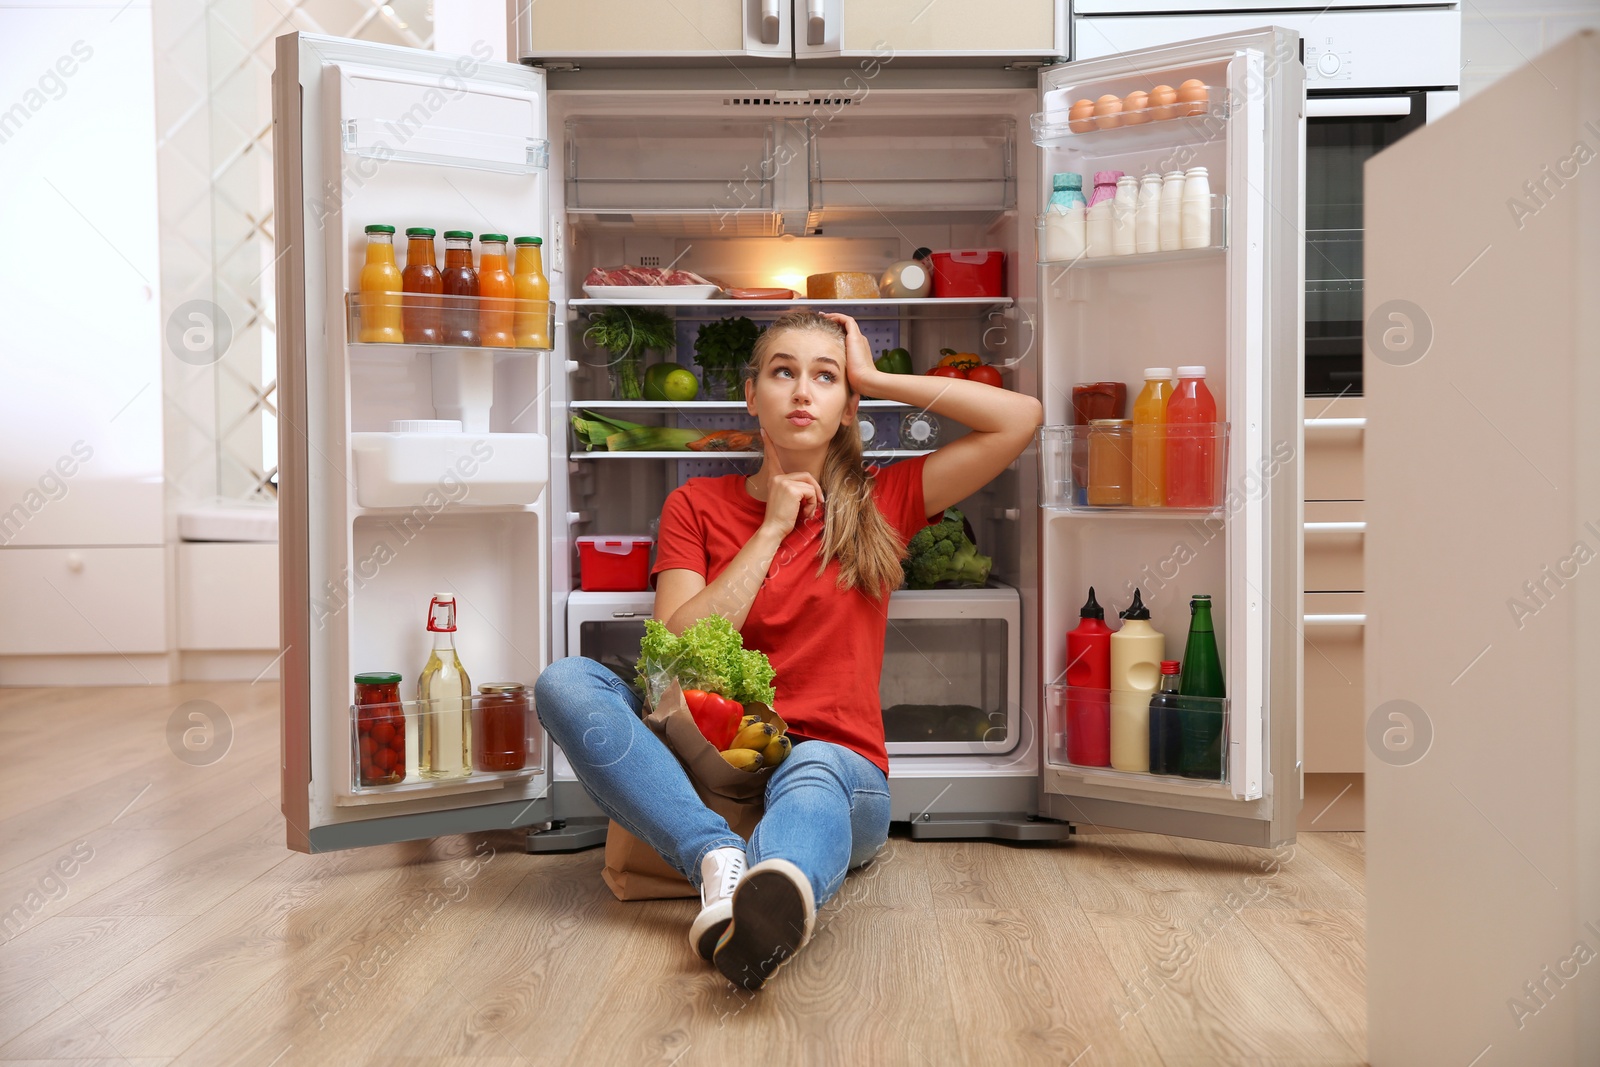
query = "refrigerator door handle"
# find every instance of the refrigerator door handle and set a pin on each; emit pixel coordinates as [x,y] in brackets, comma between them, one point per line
[816,21]
[1324,107]
[769,21]
[1334,620]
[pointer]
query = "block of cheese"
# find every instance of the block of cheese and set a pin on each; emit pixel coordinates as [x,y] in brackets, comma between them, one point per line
[842,285]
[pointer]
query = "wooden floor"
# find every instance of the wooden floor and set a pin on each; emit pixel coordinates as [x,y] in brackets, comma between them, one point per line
[154,916]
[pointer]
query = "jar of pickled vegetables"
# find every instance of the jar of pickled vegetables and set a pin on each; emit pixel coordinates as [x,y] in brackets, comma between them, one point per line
[380,729]
[500,727]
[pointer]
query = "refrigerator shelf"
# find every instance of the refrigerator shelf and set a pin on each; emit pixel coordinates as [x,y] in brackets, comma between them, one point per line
[1053,128]
[409,303]
[1218,243]
[698,405]
[885,453]
[504,153]
[1191,743]
[367,744]
[1088,470]
[962,307]
[404,470]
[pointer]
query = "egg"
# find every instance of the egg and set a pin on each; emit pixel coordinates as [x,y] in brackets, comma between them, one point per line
[1162,99]
[1193,97]
[1136,108]
[1080,117]
[1108,112]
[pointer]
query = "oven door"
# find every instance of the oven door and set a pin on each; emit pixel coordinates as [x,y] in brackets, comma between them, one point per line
[1342,133]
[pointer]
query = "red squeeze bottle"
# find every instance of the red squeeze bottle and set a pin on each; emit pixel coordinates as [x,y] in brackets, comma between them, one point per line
[1089,669]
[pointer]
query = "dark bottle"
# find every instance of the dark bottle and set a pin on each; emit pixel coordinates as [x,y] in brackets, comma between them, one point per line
[460,289]
[1200,721]
[422,313]
[1164,708]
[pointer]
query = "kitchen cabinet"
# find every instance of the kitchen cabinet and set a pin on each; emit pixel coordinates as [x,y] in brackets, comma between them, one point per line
[83,601]
[639,33]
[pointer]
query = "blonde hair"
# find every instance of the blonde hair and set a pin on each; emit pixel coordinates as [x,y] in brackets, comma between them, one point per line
[854,531]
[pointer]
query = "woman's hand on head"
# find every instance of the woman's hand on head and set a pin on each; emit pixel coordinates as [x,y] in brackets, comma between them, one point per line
[787,494]
[859,369]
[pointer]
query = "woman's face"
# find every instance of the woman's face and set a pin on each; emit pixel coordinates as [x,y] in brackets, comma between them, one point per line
[801,397]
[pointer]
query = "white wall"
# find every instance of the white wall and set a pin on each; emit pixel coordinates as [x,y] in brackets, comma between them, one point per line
[1498,36]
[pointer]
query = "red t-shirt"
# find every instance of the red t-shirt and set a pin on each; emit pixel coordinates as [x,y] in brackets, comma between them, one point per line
[825,644]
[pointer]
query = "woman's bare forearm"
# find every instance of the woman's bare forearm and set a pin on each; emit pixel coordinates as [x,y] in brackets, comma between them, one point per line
[980,407]
[732,592]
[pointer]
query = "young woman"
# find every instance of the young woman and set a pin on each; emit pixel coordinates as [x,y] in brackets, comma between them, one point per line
[800,557]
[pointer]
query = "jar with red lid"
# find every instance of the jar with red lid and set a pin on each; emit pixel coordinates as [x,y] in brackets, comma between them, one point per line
[500,727]
[380,729]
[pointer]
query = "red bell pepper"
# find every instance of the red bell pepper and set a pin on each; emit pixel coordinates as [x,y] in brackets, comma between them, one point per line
[717,716]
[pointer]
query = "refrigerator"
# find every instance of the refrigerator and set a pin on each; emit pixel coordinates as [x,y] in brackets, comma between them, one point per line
[753,186]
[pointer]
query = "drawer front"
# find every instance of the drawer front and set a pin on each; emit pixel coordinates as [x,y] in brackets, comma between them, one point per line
[1335,536]
[629,28]
[1335,431]
[84,600]
[1334,720]
[227,596]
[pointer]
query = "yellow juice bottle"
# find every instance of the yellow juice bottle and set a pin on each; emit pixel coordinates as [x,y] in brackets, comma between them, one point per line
[380,287]
[1149,438]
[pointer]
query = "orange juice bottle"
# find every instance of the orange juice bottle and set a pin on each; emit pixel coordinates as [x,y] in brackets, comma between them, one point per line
[380,288]
[1149,439]
[496,290]
[533,295]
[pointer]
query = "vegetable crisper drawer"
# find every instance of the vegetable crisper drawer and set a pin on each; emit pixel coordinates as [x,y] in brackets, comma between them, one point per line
[952,663]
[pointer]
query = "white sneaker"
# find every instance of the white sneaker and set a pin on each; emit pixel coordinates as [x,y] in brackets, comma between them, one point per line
[773,915]
[720,872]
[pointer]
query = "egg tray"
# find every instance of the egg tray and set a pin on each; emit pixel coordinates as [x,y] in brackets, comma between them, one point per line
[1054,125]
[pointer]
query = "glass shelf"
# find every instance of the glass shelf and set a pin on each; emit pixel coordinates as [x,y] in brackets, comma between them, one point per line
[1080,464]
[894,453]
[1088,728]
[1217,244]
[923,308]
[505,153]
[699,405]
[408,306]
[1153,126]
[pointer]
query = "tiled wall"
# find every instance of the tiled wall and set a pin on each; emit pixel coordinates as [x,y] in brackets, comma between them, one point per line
[214,61]
[1498,36]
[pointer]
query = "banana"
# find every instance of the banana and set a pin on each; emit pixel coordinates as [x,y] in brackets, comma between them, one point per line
[749,720]
[775,751]
[743,758]
[755,736]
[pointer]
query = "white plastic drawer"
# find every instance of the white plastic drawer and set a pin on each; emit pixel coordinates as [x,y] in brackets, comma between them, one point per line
[227,596]
[83,601]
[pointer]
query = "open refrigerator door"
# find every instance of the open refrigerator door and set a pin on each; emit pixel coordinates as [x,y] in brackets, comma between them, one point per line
[1132,501]
[414,455]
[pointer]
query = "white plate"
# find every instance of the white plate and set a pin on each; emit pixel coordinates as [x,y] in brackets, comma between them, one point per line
[652,292]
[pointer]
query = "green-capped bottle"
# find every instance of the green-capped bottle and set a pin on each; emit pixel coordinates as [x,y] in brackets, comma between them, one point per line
[1200,722]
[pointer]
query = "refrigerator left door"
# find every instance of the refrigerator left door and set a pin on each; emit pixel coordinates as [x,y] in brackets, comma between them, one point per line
[384,515]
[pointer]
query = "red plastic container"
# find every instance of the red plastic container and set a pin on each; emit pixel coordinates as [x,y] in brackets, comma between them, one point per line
[614,564]
[969,272]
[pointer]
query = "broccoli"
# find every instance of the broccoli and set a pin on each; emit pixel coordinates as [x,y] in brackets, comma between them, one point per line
[944,552]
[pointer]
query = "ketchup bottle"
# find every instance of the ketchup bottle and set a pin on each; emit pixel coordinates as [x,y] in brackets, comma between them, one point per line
[1089,688]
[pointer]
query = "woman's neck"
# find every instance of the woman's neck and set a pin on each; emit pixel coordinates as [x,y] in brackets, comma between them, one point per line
[793,463]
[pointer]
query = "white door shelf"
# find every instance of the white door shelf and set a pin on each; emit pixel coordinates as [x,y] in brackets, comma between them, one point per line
[396,470]
[502,151]
[408,307]
[1217,244]
[1132,130]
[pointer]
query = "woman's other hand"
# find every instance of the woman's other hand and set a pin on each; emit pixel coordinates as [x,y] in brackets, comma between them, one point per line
[859,370]
[787,494]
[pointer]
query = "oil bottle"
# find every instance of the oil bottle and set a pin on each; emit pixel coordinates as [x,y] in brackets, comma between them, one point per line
[444,696]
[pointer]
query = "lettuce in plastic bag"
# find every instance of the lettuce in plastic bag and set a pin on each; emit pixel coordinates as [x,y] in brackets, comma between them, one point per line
[710,655]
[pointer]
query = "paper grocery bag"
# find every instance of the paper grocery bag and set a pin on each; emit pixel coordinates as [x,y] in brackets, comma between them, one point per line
[634,870]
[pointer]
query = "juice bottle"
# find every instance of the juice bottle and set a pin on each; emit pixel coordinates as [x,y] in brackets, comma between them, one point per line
[1164,707]
[497,307]
[1136,652]
[532,326]
[1149,440]
[1088,687]
[460,289]
[1200,721]
[423,312]
[379,290]
[1191,442]
[444,694]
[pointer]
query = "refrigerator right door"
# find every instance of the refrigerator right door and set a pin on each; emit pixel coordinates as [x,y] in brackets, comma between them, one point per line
[1196,264]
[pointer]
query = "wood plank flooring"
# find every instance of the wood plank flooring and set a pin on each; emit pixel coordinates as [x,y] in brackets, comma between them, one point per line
[153,916]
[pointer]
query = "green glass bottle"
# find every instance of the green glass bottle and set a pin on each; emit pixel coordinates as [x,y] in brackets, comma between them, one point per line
[1200,752]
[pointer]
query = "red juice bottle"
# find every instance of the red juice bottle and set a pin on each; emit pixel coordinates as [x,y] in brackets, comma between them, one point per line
[1192,442]
[460,289]
[1089,687]
[422,316]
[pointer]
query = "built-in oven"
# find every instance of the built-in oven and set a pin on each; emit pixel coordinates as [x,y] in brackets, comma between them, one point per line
[1375,71]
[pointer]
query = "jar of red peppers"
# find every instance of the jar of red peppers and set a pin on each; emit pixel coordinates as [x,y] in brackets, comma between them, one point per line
[500,727]
[380,728]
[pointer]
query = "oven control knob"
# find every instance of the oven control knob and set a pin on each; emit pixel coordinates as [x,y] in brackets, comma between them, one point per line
[1328,64]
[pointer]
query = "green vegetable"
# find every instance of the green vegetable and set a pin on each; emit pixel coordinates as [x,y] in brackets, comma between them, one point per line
[627,333]
[944,552]
[710,655]
[652,439]
[593,429]
[722,348]
[894,361]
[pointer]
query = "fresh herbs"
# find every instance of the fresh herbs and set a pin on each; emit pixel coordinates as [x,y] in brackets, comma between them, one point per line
[722,348]
[709,655]
[627,333]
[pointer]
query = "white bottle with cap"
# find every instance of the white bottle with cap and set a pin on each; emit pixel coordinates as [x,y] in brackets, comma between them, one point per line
[1147,215]
[1171,217]
[1123,208]
[1195,227]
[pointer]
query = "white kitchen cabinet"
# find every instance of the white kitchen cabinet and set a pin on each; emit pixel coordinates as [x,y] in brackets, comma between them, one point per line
[638,33]
[83,601]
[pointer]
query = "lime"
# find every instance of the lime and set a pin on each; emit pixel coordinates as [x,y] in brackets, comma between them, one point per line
[680,384]
[653,377]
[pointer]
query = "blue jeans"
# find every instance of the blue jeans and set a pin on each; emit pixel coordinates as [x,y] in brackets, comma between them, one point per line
[827,808]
